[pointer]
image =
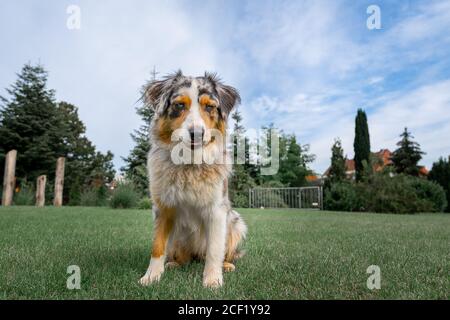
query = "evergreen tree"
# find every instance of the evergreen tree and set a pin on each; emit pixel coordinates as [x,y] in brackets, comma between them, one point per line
[361,143]
[136,163]
[337,169]
[294,162]
[42,130]
[31,125]
[241,180]
[440,173]
[408,155]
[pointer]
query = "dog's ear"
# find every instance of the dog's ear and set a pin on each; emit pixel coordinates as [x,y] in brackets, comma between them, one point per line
[228,98]
[156,92]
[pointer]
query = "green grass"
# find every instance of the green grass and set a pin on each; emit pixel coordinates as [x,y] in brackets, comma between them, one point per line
[291,254]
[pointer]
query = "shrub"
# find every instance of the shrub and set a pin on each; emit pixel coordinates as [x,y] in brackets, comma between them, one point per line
[145,203]
[26,195]
[342,196]
[240,200]
[88,198]
[383,193]
[432,192]
[124,196]
[94,197]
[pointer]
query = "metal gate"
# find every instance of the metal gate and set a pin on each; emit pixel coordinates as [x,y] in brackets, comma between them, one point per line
[301,198]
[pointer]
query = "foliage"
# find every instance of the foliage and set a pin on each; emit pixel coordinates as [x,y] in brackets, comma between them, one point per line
[408,155]
[25,196]
[440,173]
[342,196]
[145,203]
[432,192]
[41,130]
[135,168]
[124,196]
[337,169]
[94,197]
[361,144]
[241,180]
[387,194]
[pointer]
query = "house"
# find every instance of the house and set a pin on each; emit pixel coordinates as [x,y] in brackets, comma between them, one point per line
[383,160]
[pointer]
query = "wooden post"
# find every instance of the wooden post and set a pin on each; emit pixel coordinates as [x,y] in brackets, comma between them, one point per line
[40,190]
[9,178]
[59,182]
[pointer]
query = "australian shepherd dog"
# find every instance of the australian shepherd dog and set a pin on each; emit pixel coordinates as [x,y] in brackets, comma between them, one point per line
[188,167]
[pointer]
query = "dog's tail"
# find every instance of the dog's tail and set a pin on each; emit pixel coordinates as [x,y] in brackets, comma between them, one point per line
[237,231]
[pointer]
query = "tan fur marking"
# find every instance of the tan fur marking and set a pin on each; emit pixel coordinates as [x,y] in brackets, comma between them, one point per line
[233,240]
[212,119]
[163,227]
[166,127]
[184,99]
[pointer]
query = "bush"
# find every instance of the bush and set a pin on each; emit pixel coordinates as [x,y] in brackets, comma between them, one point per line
[94,197]
[26,195]
[145,204]
[124,196]
[432,192]
[383,193]
[239,200]
[342,196]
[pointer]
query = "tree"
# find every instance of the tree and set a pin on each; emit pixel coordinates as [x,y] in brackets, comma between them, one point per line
[241,180]
[408,155]
[31,124]
[440,173]
[361,143]
[294,162]
[135,167]
[42,130]
[337,169]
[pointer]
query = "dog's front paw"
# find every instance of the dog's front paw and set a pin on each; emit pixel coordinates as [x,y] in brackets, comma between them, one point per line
[213,279]
[153,274]
[150,278]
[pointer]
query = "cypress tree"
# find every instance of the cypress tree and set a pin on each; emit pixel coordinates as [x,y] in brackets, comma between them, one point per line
[361,144]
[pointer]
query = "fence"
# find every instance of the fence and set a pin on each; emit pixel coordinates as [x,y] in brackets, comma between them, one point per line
[301,198]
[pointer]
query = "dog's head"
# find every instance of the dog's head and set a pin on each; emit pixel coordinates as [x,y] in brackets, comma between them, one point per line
[190,108]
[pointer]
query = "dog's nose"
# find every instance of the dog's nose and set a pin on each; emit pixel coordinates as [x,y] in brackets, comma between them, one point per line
[196,134]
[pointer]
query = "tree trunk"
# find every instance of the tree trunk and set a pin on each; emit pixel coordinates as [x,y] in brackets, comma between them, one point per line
[40,190]
[59,182]
[9,178]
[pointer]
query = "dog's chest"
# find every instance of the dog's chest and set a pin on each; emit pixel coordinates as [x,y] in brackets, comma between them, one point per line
[178,185]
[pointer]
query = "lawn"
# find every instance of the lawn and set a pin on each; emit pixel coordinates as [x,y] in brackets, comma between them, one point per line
[291,254]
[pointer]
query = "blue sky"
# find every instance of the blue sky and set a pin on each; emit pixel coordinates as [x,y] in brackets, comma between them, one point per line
[306,66]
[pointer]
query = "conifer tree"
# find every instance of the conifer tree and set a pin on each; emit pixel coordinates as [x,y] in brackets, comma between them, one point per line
[408,155]
[361,144]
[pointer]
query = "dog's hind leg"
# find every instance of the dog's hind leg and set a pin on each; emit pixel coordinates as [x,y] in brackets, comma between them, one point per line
[228,266]
[236,232]
[164,218]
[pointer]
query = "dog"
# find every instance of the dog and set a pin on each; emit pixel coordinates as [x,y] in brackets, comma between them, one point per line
[193,218]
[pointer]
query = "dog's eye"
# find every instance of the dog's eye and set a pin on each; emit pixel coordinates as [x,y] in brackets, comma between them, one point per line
[179,106]
[209,108]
